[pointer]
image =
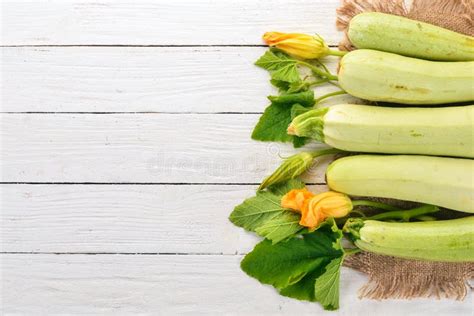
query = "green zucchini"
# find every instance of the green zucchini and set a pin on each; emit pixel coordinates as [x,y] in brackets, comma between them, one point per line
[446,131]
[381,76]
[396,34]
[447,240]
[441,181]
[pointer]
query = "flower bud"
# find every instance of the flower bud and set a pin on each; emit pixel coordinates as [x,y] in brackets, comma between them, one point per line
[298,45]
[295,199]
[321,206]
[289,169]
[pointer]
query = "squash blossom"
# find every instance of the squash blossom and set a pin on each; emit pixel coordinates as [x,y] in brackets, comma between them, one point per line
[298,45]
[315,209]
[295,199]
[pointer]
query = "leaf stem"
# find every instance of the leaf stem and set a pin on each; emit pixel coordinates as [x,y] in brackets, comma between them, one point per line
[425,218]
[329,95]
[351,251]
[374,204]
[322,65]
[317,82]
[406,215]
[361,214]
[318,71]
[335,52]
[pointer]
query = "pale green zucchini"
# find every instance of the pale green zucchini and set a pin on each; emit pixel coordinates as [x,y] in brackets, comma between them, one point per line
[448,240]
[441,181]
[396,34]
[380,76]
[446,131]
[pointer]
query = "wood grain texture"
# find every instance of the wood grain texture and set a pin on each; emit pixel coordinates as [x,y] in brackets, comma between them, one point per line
[173,285]
[137,79]
[138,148]
[213,151]
[124,218]
[151,22]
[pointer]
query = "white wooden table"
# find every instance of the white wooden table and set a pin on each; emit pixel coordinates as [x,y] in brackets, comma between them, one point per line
[125,144]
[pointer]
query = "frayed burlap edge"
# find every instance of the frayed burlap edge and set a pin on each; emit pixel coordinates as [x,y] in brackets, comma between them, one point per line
[391,277]
[455,15]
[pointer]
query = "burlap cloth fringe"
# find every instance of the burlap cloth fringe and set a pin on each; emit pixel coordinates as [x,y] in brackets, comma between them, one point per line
[391,277]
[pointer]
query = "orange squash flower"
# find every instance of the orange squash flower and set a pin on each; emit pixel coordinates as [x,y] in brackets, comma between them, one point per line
[321,206]
[295,199]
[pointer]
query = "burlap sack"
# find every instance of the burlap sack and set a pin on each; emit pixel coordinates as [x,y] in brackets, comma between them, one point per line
[391,277]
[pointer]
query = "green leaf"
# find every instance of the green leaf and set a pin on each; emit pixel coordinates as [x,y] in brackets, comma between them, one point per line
[304,289]
[300,141]
[297,110]
[280,227]
[274,122]
[291,87]
[298,86]
[305,99]
[281,66]
[282,86]
[285,187]
[303,268]
[264,215]
[327,285]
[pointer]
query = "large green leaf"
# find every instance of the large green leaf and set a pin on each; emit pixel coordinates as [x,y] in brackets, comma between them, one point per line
[264,215]
[281,66]
[304,268]
[273,124]
[326,288]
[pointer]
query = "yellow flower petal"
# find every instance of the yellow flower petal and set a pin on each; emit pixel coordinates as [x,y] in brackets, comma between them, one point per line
[295,199]
[321,206]
[299,45]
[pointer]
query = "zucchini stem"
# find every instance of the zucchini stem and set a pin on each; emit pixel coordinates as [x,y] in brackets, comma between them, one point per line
[316,101]
[318,82]
[319,72]
[406,215]
[335,52]
[379,205]
[360,213]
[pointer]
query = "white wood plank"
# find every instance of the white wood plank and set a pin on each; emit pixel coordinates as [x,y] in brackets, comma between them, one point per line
[151,22]
[124,218]
[173,285]
[136,79]
[138,148]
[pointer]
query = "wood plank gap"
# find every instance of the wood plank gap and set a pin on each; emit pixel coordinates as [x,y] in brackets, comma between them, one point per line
[141,183]
[162,45]
[136,112]
[124,253]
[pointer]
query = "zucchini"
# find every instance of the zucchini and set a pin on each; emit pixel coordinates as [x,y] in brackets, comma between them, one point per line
[444,131]
[441,181]
[381,76]
[447,240]
[396,34]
